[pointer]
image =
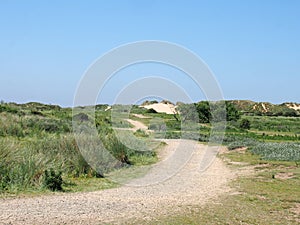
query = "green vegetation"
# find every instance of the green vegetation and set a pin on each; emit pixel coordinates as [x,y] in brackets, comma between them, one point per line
[38,150]
[279,125]
[278,151]
[53,180]
[245,124]
[209,111]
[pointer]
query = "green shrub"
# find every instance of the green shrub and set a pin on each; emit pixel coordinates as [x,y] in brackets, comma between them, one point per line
[244,142]
[151,111]
[52,180]
[245,124]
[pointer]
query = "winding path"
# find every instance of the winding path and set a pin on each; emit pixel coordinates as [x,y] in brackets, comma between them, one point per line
[187,188]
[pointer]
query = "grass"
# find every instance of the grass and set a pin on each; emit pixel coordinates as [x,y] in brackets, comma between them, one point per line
[70,185]
[36,137]
[87,184]
[275,124]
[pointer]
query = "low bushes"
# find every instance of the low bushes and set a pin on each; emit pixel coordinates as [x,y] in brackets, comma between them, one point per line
[278,151]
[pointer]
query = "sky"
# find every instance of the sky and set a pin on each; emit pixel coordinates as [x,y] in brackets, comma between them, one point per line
[251,46]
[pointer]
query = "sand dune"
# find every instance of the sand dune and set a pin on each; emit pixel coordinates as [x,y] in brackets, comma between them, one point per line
[293,106]
[162,108]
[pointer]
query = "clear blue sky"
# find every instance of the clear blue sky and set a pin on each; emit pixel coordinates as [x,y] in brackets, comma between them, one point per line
[252,46]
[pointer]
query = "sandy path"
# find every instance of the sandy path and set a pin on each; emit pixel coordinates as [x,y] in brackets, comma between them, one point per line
[187,188]
[137,125]
[141,116]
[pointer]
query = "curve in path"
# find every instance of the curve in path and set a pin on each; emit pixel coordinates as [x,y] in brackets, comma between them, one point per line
[137,125]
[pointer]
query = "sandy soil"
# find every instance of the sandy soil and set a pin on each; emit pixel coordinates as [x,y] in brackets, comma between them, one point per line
[137,125]
[141,116]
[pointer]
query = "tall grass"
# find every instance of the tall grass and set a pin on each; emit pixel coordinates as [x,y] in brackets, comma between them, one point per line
[22,164]
[31,144]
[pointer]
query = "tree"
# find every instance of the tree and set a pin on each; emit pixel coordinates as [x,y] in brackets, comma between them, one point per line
[217,111]
[203,110]
[232,113]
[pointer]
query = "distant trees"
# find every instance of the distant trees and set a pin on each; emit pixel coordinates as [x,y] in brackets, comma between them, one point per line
[232,113]
[209,111]
[217,111]
[204,112]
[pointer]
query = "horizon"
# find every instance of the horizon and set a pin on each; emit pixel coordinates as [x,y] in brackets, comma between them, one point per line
[139,104]
[251,47]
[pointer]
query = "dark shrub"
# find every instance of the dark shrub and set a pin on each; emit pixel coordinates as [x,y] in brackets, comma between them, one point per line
[81,117]
[151,110]
[52,180]
[245,124]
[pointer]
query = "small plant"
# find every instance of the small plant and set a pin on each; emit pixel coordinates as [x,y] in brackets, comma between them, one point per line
[53,181]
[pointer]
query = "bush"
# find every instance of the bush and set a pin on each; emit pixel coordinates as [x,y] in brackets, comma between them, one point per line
[151,111]
[245,124]
[246,142]
[52,180]
[81,117]
[209,111]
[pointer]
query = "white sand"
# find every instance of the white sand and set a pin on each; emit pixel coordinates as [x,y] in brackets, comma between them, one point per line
[162,108]
[108,108]
[294,106]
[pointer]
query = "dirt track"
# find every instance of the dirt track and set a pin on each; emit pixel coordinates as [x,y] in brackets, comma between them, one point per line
[187,188]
